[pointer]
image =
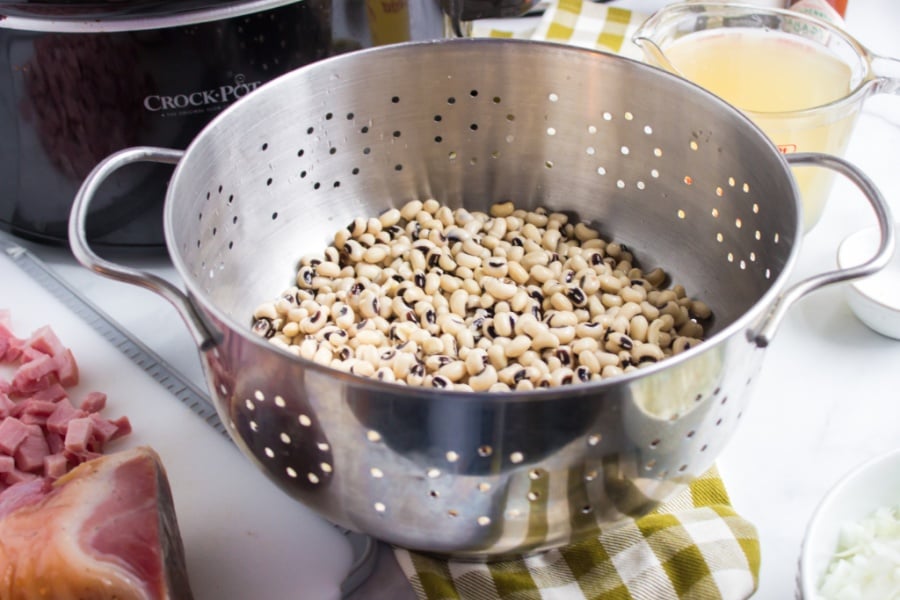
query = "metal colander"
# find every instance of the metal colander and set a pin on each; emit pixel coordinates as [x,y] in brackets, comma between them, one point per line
[652,161]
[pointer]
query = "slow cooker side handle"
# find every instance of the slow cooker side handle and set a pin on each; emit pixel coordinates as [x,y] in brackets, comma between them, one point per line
[762,334]
[200,331]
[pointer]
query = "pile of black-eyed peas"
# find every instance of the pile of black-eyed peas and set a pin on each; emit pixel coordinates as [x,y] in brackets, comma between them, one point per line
[498,301]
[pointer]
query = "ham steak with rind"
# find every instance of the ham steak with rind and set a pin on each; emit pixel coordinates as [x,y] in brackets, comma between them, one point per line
[106,529]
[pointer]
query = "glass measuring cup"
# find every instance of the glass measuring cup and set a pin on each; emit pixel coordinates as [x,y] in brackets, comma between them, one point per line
[801,79]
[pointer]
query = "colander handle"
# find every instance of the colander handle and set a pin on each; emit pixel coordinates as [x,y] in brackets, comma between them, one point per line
[201,332]
[762,335]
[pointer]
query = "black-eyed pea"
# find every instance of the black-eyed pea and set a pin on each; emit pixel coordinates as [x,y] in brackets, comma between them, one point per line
[677,312]
[490,242]
[323,355]
[682,343]
[690,329]
[609,283]
[411,209]
[417,260]
[562,376]
[649,311]
[384,374]
[416,375]
[700,310]
[449,344]
[502,209]
[470,261]
[454,371]
[544,340]
[560,302]
[646,353]
[314,322]
[308,347]
[589,359]
[499,288]
[518,346]
[585,233]
[446,262]
[595,306]
[296,315]
[590,284]
[564,334]
[610,300]
[472,287]
[431,206]
[445,216]
[584,344]
[590,330]
[634,294]
[517,272]
[476,360]
[485,301]
[497,355]
[402,364]
[458,302]
[290,329]
[465,339]
[369,337]
[561,318]
[617,342]
[638,328]
[485,380]
[611,371]
[525,385]
[361,367]
[504,324]
[367,270]
[266,310]
[432,282]
[535,258]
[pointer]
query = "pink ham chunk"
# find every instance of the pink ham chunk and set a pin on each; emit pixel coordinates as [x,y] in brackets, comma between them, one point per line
[36,415]
[106,529]
[12,433]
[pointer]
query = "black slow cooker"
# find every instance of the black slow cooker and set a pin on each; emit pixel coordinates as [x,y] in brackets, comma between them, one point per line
[81,79]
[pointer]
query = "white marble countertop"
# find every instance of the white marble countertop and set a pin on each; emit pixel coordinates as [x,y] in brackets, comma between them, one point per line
[828,396]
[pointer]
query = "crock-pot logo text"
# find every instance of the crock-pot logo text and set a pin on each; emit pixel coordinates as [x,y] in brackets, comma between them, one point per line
[212,99]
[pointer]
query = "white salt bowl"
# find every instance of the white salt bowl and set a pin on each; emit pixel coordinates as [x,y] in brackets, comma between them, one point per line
[875,299]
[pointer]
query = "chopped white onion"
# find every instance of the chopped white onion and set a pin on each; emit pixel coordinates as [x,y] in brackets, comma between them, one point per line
[867,562]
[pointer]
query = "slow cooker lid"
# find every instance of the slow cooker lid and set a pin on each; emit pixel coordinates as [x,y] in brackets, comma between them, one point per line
[59,15]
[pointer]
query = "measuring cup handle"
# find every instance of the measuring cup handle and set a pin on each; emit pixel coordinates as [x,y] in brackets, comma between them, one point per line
[78,242]
[766,329]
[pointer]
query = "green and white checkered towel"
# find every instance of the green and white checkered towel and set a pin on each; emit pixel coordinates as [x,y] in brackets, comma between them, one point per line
[693,547]
[575,22]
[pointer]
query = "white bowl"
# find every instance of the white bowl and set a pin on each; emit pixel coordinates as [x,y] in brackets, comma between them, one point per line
[874,299]
[874,484]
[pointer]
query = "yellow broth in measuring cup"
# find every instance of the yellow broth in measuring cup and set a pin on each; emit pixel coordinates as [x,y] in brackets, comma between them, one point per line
[800,79]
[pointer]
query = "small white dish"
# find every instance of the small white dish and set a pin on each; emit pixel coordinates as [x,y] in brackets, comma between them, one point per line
[875,299]
[872,485]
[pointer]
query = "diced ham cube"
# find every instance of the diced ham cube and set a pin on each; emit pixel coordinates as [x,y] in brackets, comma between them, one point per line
[53,393]
[10,345]
[7,464]
[94,402]
[123,427]
[38,407]
[7,406]
[34,419]
[64,412]
[67,368]
[45,340]
[12,433]
[55,442]
[78,435]
[55,465]
[30,453]
[5,386]
[33,375]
